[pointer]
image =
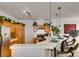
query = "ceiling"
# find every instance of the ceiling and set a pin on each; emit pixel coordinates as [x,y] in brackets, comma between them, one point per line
[40,9]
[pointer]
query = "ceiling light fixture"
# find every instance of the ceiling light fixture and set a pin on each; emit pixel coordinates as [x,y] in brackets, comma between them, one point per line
[24,11]
[50,13]
[59,9]
[28,13]
[56,18]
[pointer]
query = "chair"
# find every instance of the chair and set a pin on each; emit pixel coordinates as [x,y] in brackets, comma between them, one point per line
[73,33]
[63,45]
[68,46]
[67,37]
[69,52]
[69,42]
[74,48]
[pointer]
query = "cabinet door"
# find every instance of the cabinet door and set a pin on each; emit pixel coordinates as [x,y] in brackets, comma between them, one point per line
[6,23]
[23,36]
[20,33]
[46,28]
[12,27]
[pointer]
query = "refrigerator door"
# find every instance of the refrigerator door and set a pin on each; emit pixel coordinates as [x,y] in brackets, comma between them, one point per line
[5,32]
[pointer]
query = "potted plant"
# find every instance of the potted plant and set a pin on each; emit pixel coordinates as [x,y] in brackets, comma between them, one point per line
[12,21]
[2,18]
[55,30]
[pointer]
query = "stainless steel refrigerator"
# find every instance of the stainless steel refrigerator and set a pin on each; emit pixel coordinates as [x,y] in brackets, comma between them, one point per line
[4,40]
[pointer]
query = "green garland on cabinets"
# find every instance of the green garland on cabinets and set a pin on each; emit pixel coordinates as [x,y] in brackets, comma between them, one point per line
[3,18]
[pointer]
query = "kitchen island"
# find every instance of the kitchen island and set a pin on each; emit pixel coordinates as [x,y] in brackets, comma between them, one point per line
[34,50]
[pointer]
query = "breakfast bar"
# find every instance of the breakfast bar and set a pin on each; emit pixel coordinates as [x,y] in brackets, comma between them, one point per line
[39,48]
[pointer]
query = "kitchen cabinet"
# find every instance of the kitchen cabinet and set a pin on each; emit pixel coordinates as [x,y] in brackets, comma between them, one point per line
[44,29]
[12,28]
[20,33]
[47,29]
[6,23]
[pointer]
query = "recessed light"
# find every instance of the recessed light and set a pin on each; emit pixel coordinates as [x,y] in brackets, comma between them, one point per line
[24,11]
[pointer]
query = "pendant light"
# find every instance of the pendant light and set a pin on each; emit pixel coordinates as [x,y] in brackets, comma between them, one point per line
[56,18]
[50,13]
[59,9]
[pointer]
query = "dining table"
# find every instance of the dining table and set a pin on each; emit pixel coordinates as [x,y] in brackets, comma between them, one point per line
[52,44]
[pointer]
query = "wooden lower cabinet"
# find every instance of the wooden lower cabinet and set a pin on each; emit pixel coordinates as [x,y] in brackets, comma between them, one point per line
[5,50]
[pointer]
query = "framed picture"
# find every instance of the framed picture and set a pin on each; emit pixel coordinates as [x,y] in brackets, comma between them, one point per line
[68,27]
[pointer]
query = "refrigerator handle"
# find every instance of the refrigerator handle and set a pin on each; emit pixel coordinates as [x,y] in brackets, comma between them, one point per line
[0,44]
[0,40]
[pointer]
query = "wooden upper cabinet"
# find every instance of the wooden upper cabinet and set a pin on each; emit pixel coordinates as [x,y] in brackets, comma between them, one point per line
[12,27]
[20,27]
[46,28]
[20,33]
[6,23]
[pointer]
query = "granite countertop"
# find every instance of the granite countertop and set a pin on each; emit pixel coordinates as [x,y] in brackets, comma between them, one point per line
[47,44]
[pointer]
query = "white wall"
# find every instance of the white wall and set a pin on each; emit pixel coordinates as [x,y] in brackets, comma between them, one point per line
[7,15]
[29,28]
[71,20]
